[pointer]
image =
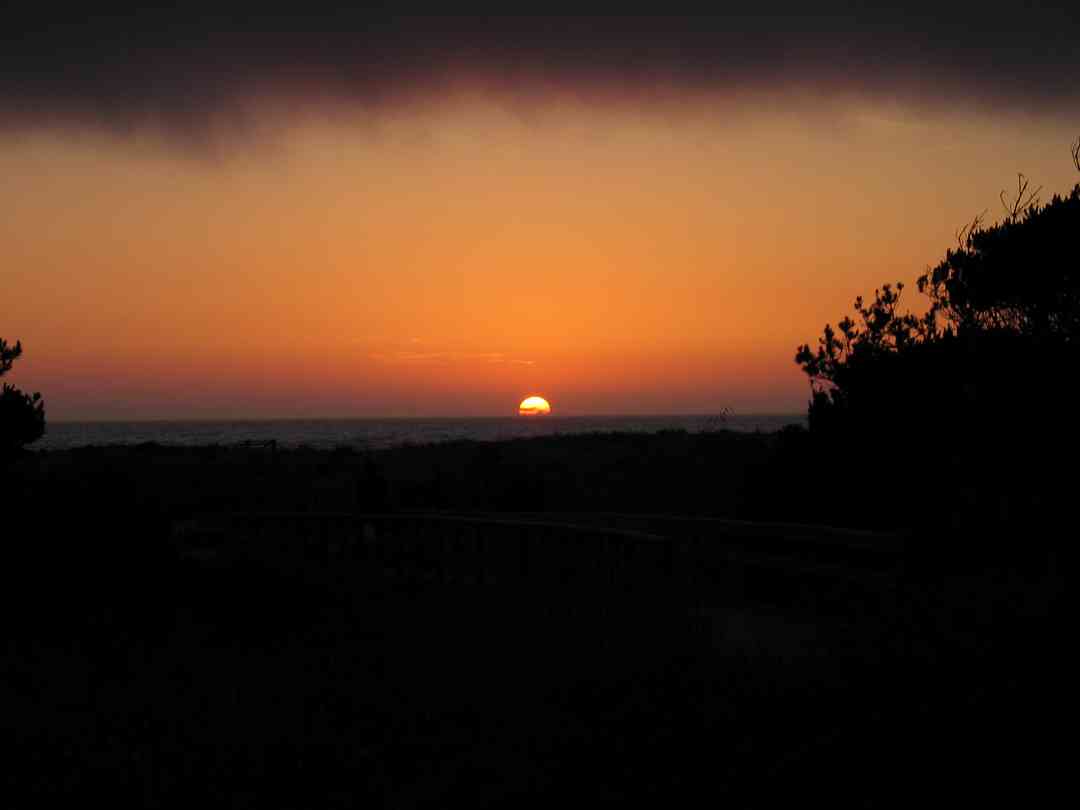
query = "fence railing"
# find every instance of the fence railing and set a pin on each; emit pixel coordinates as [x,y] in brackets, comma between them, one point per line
[784,560]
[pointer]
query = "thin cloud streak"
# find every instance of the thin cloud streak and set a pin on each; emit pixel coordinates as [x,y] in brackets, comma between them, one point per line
[496,358]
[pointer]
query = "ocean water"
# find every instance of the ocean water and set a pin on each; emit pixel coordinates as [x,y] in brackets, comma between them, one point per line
[380,433]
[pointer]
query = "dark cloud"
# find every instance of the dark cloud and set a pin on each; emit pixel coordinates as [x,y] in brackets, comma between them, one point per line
[188,71]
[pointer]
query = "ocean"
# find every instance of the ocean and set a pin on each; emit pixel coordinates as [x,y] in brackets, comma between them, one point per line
[381,433]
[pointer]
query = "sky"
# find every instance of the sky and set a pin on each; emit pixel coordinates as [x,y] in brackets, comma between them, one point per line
[333,213]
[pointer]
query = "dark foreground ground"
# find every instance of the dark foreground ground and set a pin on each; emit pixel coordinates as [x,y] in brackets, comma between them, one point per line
[138,673]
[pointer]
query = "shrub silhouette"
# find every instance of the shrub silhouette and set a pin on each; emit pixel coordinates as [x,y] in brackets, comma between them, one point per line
[982,382]
[1018,277]
[22,416]
[1011,284]
[857,366]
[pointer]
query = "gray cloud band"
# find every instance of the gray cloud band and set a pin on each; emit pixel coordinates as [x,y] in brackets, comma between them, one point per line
[186,73]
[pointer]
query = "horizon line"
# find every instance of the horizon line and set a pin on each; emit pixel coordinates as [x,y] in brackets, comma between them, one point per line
[166,420]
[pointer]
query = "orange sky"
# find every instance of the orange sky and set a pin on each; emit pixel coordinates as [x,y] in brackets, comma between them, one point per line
[451,258]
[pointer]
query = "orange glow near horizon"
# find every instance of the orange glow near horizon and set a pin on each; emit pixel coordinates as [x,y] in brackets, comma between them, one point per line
[441,260]
[534,406]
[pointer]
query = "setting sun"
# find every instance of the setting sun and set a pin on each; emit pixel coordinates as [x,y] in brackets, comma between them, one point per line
[534,406]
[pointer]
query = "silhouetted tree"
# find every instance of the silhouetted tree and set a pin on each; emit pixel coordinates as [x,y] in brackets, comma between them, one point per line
[22,416]
[983,381]
[1019,278]
[855,362]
